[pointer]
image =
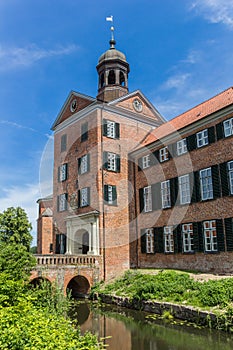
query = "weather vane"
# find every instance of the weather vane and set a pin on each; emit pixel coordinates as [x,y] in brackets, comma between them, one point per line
[110,19]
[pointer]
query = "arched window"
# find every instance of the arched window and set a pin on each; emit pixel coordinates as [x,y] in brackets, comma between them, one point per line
[111,78]
[102,80]
[122,79]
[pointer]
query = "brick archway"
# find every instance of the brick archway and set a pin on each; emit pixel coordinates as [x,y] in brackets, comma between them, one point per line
[79,286]
[38,280]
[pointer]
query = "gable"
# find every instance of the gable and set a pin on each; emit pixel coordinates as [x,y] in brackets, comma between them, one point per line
[144,108]
[74,103]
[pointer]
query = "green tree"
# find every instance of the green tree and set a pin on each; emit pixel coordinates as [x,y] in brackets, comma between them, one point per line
[15,227]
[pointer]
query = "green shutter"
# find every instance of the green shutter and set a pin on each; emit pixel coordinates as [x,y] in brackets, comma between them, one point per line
[177,239]
[139,164]
[220,235]
[79,165]
[219,131]
[215,179]
[88,196]
[195,237]
[143,241]
[211,134]
[174,190]
[105,160]
[225,188]
[195,187]
[58,174]
[118,163]
[106,193]
[158,239]
[171,150]
[191,142]
[156,196]
[79,198]
[66,171]
[117,130]
[105,129]
[229,233]
[66,201]
[141,199]
[200,236]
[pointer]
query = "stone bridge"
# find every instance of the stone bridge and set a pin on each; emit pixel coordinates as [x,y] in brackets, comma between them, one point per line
[74,272]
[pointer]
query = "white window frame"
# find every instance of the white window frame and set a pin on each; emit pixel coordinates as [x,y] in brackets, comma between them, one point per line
[146,161]
[150,241]
[163,154]
[84,197]
[166,194]
[63,172]
[62,202]
[184,189]
[84,164]
[112,161]
[147,196]
[206,182]
[181,147]
[168,239]
[111,129]
[202,138]
[228,127]
[187,234]
[230,175]
[210,236]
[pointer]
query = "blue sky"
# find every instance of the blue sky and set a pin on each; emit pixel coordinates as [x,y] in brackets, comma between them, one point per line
[180,53]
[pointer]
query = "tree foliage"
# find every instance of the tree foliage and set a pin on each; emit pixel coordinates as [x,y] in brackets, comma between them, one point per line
[15,227]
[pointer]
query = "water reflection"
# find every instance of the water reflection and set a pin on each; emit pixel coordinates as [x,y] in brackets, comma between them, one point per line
[130,330]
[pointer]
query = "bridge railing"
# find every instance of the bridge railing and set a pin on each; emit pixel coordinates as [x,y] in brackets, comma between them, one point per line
[68,259]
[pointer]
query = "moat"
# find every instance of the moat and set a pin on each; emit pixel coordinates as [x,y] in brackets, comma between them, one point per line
[126,329]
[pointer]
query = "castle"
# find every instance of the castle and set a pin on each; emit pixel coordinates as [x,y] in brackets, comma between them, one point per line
[137,190]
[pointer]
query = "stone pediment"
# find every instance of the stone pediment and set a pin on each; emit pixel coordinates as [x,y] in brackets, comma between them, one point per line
[136,102]
[74,103]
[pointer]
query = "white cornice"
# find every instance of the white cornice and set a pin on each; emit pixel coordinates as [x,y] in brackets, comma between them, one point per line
[183,131]
[108,108]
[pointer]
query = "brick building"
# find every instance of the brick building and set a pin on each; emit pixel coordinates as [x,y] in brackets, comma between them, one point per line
[137,190]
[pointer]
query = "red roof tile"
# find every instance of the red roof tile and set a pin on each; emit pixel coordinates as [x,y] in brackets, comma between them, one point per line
[202,110]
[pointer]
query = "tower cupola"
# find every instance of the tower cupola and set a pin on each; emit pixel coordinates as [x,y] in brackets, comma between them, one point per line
[113,72]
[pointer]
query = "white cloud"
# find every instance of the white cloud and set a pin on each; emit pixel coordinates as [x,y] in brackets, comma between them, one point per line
[176,81]
[215,11]
[14,57]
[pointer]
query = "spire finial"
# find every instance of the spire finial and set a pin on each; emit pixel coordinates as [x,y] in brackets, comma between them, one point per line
[112,42]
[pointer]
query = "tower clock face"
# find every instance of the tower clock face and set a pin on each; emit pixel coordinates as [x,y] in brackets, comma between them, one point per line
[73,105]
[137,104]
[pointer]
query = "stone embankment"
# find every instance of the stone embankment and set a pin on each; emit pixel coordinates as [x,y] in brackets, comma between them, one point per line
[182,312]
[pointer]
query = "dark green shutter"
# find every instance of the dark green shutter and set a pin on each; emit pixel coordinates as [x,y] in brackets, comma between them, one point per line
[114,195]
[139,164]
[117,130]
[174,190]
[79,165]
[118,163]
[58,174]
[79,198]
[229,233]
[195,187]
[201,237]
[58,197]
[195,237]
[66,201]
[219,131]
[220,235]
[158,239]
[211,134]
[141,199]
[66,176]
[156,155]
[143,241]
[105,128]
[156,196]
[106,193]
[57,244]
[177,239]
[105,160]
[191,142]
[225,188]
[216,182]
[171,150]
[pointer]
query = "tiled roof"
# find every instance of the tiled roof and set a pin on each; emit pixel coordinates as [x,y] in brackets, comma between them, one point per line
[202,110]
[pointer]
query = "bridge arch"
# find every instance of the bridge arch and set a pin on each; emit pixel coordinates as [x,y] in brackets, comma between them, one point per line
[38,280]
[79,286]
